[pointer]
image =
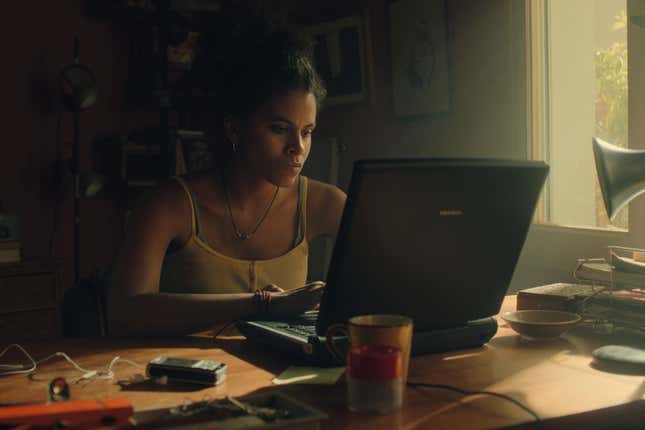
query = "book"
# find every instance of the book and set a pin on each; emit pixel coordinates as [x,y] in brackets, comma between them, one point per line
[557,297]
[9,255]
[9,244]
[601,272]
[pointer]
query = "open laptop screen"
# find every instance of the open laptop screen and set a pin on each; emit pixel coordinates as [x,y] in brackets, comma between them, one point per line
[433,239]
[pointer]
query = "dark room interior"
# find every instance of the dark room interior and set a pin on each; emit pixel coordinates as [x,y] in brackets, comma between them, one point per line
[107,110]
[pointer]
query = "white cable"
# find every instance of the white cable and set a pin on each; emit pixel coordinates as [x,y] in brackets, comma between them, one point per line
[66,357]
[104,373]
[20,366]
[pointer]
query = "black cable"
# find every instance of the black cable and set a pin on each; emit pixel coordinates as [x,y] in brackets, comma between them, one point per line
[472,393]
[227,325]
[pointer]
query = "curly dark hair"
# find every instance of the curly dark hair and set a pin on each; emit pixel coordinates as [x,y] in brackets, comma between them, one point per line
[247,64]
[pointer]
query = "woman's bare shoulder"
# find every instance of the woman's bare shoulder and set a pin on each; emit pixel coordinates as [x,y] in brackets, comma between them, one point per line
[325,207]
[324,192]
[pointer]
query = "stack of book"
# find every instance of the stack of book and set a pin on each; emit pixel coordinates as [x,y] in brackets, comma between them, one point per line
[602,273]
[608,291]
[624,308]
[9,251]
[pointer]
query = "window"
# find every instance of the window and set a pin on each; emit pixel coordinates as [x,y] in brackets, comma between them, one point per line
[578,90]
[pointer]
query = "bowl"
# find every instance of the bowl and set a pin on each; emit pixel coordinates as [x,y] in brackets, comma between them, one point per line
[541,324]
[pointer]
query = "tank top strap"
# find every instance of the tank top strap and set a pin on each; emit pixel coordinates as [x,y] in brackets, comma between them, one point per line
[194,217]
[302,206]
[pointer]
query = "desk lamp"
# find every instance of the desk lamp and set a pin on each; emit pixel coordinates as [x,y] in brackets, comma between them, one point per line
[621,173]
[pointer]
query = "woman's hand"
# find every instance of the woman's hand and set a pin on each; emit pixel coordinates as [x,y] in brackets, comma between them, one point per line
[292,303]
[273,288]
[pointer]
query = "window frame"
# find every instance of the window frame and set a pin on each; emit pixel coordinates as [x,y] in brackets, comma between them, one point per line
[539,132]
[551,251]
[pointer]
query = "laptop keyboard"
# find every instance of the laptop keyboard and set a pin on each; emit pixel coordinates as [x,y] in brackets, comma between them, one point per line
[299,329]
[304,325]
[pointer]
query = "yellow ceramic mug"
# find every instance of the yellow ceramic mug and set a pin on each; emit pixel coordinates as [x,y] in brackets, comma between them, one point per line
[379,329]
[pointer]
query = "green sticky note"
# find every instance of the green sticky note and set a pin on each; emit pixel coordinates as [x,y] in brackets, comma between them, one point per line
[309,375]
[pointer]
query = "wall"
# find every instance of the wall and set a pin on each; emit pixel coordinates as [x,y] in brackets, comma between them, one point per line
[488,115]
[37,42]
[484,120]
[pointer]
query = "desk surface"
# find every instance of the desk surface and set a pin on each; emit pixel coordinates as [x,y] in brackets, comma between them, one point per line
[555,379]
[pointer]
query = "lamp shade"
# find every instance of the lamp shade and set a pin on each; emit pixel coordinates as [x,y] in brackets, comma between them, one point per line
[621,173]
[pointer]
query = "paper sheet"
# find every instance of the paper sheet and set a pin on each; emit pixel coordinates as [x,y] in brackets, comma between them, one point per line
[309,375]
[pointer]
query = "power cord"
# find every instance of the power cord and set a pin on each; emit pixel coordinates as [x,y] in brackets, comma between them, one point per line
[104,373]
[221,330]
[441,386]
[473,392]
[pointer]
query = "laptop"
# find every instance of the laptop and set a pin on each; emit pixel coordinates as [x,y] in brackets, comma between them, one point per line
[436,240]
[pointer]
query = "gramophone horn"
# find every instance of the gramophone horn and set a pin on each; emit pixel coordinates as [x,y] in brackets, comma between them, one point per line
[621,173]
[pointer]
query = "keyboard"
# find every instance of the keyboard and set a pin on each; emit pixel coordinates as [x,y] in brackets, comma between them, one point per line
[303,325]
[299,329]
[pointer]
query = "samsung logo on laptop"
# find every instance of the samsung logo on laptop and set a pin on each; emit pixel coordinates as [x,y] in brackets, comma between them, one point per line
[451,212]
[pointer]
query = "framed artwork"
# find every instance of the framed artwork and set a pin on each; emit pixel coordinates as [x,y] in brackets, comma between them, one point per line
[142,162]
[419,50]
[339,57]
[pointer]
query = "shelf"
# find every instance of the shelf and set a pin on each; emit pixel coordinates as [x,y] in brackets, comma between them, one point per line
[153,82]
[29,266]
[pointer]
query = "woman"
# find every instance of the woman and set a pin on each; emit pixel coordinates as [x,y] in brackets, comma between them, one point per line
[233,242]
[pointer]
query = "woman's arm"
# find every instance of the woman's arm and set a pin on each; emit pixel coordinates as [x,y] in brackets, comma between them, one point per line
[182,314]
[164,314]
[135,305]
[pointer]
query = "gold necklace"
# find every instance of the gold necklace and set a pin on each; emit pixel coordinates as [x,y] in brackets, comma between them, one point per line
[238,233]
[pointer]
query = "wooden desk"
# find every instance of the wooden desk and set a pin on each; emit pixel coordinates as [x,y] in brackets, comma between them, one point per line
[555,379]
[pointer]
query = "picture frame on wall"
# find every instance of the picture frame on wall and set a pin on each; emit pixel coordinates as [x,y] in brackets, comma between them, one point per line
[340,58]
[419,56]
[142,163]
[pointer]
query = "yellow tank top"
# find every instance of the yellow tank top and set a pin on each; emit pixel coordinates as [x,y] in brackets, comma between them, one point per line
[198,268]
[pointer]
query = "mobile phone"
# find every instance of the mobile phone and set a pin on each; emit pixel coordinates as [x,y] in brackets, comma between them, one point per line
[205,372]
